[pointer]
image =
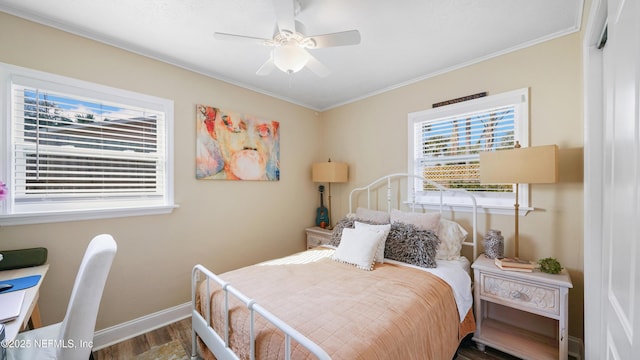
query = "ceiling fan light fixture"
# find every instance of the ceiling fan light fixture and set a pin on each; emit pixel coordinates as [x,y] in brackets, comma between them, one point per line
[289,53]
[290,58]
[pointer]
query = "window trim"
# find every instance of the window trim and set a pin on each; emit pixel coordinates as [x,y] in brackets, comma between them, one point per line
[8,74]
[519,98]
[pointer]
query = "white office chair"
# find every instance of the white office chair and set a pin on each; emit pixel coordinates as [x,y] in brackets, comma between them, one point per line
[72,338]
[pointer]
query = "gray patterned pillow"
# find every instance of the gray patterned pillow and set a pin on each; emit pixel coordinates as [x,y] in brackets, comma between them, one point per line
[347,222]
[408,244]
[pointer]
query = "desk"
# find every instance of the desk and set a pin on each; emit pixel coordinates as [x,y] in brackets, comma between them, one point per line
[30,305]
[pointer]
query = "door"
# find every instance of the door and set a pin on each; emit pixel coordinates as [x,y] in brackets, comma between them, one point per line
[621,196]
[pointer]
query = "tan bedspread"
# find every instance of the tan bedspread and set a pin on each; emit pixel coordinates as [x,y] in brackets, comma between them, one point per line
[393,312]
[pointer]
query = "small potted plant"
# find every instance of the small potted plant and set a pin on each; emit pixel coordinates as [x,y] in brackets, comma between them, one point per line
[550,265]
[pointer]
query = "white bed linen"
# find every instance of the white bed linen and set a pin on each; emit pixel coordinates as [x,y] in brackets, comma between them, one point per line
[453,272]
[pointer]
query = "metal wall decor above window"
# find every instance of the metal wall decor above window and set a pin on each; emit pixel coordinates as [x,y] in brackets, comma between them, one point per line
[78,147]
[445,142]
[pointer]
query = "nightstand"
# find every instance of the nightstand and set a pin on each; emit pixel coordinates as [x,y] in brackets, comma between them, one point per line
[523,314]
[317,236]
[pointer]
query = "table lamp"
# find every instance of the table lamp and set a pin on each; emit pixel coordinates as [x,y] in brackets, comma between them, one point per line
[329,172]
[530,165]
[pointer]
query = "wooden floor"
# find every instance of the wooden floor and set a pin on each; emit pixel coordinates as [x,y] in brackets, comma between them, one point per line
[181,331]
[133,347]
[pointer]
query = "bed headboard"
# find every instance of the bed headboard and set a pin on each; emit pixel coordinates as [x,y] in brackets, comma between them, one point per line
[410,179]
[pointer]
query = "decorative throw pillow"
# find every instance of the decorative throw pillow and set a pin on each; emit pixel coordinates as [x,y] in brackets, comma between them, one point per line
[379,258]
[411,245]
[344,223]
[358,247]
[376,216]
[451,236]
[423,221]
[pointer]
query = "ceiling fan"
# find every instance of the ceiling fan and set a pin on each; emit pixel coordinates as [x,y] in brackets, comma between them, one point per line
[290,44]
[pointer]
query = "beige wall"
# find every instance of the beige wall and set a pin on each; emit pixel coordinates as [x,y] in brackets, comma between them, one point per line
[221,224]
[156,253]
[371,135]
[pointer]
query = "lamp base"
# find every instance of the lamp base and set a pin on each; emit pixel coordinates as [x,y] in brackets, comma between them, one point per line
[330,227]
[516,242]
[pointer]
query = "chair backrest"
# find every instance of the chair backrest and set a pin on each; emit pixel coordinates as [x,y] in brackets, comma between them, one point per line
[79,323]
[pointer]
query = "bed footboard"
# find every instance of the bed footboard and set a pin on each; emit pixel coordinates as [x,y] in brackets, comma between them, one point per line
[219,346]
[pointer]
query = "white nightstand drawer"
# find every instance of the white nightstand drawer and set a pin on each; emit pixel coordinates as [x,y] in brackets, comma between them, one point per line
[522,294]
[317,236]
[316,240]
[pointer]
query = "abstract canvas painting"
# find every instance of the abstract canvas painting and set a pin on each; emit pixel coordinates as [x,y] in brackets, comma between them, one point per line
[236,146]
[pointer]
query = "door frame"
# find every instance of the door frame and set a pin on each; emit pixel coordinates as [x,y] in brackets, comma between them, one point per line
[594,95]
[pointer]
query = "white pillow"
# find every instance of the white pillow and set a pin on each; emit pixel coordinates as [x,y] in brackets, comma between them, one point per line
[377,216]
[451,236]
[379,257]
[422,221]
[358,247]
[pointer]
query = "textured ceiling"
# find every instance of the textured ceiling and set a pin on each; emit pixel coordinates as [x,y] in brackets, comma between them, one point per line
[402,41]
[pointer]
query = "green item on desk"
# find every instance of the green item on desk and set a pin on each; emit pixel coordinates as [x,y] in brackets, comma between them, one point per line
[16,259]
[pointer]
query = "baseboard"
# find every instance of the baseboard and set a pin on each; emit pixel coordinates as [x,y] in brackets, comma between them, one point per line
[117,333]
[576,348]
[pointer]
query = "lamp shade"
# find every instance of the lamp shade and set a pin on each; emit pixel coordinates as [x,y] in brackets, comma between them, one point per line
[530,165]
[329,172]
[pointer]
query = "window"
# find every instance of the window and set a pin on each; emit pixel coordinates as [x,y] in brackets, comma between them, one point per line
[78,150]
[445,143]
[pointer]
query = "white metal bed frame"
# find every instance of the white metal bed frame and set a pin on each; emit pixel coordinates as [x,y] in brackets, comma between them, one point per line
[413,204]
[219,346]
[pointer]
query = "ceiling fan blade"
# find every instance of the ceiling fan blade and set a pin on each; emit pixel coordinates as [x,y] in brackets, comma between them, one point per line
[317,67]
[267,67]
[249,39]
[351,37]
[285,13]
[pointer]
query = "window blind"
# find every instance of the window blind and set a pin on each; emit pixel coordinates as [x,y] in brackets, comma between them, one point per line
[447,149]
[72,148]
